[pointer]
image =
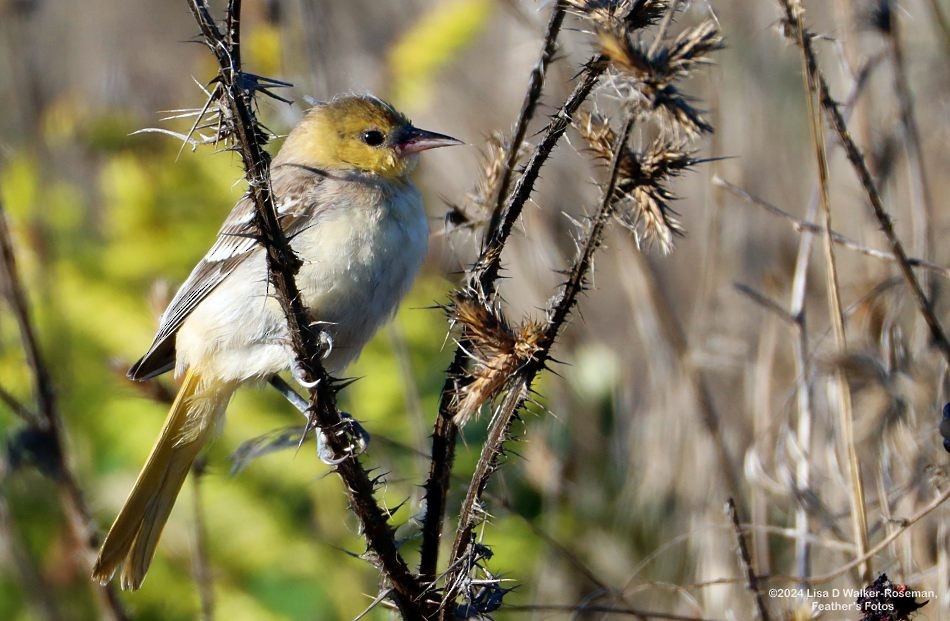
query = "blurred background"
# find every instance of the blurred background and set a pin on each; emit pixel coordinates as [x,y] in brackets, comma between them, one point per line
[615,487]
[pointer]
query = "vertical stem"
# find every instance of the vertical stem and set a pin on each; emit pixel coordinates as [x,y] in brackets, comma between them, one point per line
[858,163]
[839,386]
[560,307]
[237,92]
[803,394]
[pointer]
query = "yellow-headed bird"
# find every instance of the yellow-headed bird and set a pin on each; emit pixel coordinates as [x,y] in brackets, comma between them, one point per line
[342,190]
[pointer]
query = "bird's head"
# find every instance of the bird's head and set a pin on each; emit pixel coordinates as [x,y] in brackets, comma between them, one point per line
[359,133]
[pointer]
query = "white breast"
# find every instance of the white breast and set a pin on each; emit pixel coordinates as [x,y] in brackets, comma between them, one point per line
[358,265]
[359,260]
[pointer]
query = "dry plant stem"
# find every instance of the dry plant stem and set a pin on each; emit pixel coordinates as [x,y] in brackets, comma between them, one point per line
[283,265]
[760,373]
[498,431]
[767,303]
[485,271]
[805,226]
[528,107]
[856,159]
[803,398]
[78,515]
[842,392]
[795,316]
[18,408]
[664,27]
[752,581]
[446,431]
[482,277]
[846,16]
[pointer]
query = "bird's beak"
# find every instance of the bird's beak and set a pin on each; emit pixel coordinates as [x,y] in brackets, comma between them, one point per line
[415,140]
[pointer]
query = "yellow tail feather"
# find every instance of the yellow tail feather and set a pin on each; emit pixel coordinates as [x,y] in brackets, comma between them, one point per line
[136,530]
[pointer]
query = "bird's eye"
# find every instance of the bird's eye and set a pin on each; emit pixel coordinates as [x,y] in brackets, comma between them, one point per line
[373,137]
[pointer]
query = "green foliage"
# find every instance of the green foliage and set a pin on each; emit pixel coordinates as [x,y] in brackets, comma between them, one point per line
[275,530]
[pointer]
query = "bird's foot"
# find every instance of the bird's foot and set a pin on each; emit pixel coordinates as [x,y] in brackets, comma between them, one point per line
[356,438]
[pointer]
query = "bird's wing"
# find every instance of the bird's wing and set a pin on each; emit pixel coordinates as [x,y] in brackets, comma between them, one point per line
[235,243]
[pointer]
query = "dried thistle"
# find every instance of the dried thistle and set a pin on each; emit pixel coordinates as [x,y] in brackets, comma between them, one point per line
[497,351]
[642,181]
[631,14]
[477,207]
[648,77]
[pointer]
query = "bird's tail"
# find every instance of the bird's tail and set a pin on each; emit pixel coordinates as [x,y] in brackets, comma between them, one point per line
[136,530]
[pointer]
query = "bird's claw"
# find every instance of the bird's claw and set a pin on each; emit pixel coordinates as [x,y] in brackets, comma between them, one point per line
[325,338]
[297,371]
[353,431]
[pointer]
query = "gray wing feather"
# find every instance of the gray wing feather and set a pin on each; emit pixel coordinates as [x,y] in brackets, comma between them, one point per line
[235,242]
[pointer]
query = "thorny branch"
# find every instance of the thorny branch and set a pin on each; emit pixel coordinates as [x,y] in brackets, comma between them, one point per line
[236,91]
[482,279]
[528,107]
[50,425]
[492,358]
[752,581]
[559,309]
[446,429]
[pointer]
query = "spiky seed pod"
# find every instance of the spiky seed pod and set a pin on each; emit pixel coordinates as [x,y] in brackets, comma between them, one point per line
[493,165]
[632,14]
[476,209]
[642,180]
[649,78]
[692,48]
[497,352]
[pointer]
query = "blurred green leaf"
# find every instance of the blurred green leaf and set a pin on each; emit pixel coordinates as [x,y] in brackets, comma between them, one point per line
[431,44]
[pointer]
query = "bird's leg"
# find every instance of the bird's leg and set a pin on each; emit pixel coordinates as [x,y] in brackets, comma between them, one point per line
[359,437]
[290,394]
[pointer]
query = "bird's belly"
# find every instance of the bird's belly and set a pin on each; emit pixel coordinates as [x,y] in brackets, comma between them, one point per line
[355,273]
[357,265]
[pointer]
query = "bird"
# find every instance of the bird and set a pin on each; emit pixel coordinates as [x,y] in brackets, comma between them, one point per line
[342,190]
